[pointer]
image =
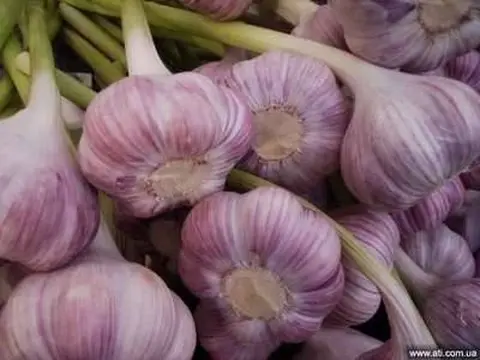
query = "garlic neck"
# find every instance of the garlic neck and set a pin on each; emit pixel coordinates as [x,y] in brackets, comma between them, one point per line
[278,134]
[443,15]
[295,11]
[255,293]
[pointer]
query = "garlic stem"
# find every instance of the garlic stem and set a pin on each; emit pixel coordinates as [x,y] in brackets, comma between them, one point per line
[92,7]
[44,94]
[102,66]
[394,293]
[10,11]
[417,281]
[93,33]
[143,58]
[295,11]
[69,87]
[111,28]
[6,88]
[11,50]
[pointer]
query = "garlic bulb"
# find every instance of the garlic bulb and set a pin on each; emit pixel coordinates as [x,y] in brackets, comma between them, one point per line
[379,234]
[264,262]
[186,151]
[477,264]
[300,117]
[337,344]
[221,10]
[471,177]
[451,313]
[464,221]
[225,337]
[465,68]
[412,35]
[91,301]
[10,276]
[48,212]
[432,210]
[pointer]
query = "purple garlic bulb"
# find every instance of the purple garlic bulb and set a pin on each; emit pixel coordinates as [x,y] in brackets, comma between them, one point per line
[471,177]
[323,27]
[337,344]
[379,235]
[264,262]
[219,70]
[84,311]
[408,136]
[226,336]
[416,36]
[441,252]
[221,10]
[299,118]
[451,313]
[432,210]
[191,132]
[477,264]
[465,222]
[465,68]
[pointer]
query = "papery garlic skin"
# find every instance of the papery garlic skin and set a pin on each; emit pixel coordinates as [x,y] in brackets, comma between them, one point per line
[379,234]
[441,252]
[91,303]
[156,143]
[337,344]
[48,211]
[225,336]
[322,26]
[300,118]
[432,210]
[416,36]
[451,313]
[405,141]
[221,10]
[287,257]
[465,68]
[218,71]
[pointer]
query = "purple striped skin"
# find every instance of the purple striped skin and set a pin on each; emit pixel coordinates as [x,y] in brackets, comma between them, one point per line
[406,141]
[139,124]
[84,311]
[441,252]
[301,85]
[392,34]
[225,337]
[431,211]
[221,10]
[48,211]
[465,68]
[337,344]
[323,27]
[380,236]
[265,228]
[451,314]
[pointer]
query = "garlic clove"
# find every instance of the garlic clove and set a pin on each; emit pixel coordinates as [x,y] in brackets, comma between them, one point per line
[337,344]
[451,313]
[379,234]
[416,36]
[441,252]
[186,151]
[432,210]
[428,139]
[300,117]
[221,10]
[465,68]
[263,257]
[322,26]
[230,337]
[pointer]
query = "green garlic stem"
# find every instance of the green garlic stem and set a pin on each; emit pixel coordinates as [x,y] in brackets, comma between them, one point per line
[10,11]
[93,33]
[54,24]
[403,309]
[69,87]
[108,72]
[89,6]
[6,91]
[143,58]
[113,29]
[11,50]
[295,11]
